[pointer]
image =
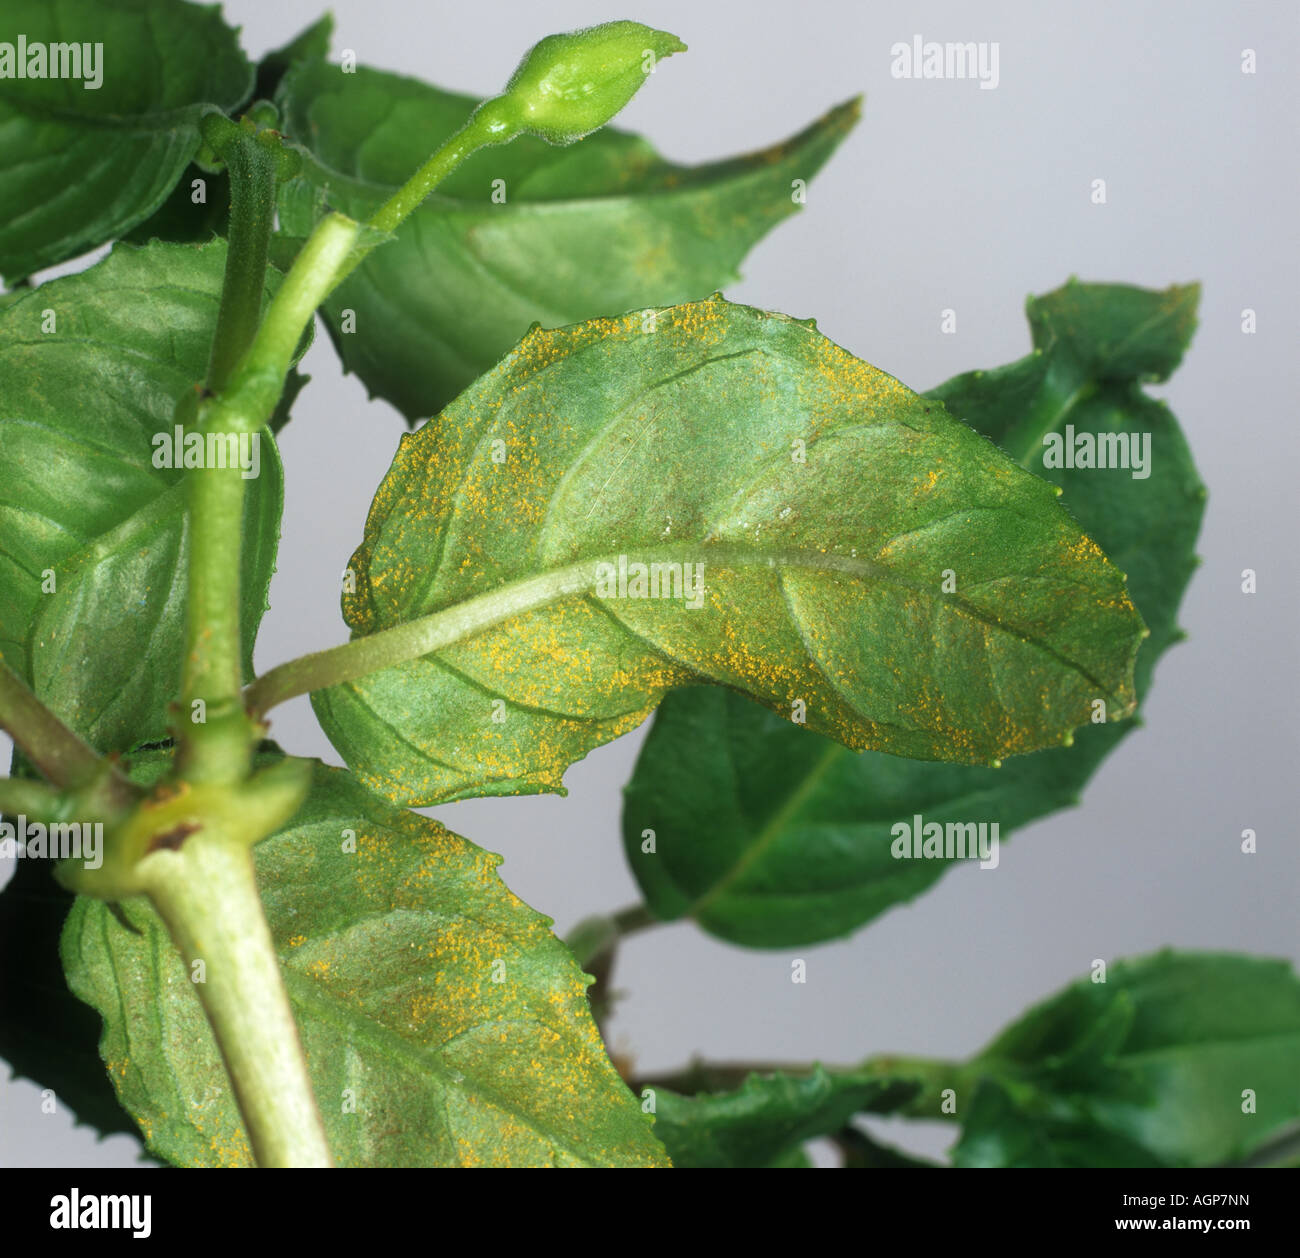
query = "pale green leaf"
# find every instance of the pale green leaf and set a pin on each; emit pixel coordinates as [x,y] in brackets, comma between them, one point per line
[93,544]
[424,992]
[825,502]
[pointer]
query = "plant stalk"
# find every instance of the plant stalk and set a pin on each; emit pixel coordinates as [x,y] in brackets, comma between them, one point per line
[252,170]
[213,671]
[26,798]
[206,893]
[61,756]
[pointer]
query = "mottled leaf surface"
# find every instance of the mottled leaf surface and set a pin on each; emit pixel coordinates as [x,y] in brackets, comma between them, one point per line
[824,500]
[93,536]
[458,1022]
[771,836]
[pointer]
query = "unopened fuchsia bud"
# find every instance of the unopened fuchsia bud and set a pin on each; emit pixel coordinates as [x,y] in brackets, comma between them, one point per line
[570,85]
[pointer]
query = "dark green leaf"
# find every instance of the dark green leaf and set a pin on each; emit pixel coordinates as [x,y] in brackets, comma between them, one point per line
[768,1118]
[46,1034]
[595,228]
[295,382]
[86,509]
[182,219]
[311,44]
[824,501]
[770,836]
[1177,1059]
[863,1153]
[80,164]
[459,1022]
[1040,1134]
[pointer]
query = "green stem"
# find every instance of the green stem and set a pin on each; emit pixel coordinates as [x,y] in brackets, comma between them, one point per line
[216,734]
[206,893]
[205,890]
[61,756]
[482,129]
[935,1077]
[252,168]
[315,272]
[22,797]
[218,748]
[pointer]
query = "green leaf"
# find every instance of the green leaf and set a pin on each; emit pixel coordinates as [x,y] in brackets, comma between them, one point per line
[1158,1065]
[310,44]
[183,220]
[599,227]
[84,164]
[1174,1060]
[769,1117]
[46,1034]
[1038,1135]
[770,836]
[180,218]
[458,1022]
[824,501]
[93,545]
[863,1153]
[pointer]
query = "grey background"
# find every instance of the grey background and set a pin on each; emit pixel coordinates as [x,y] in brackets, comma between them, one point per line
[945,196]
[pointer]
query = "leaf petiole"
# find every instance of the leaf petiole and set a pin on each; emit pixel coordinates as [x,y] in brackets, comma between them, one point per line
[61,755]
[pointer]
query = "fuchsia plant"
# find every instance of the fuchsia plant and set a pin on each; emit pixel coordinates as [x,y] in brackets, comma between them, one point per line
[880,629]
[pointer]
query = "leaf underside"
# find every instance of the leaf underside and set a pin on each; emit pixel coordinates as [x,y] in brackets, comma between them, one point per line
[771,836]
[427,996]
[93,536]
[824,501]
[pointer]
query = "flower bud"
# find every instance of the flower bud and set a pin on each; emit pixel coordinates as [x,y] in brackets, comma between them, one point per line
[569,85]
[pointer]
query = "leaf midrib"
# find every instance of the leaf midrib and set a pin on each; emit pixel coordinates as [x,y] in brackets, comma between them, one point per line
[772,830]
[502,604]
